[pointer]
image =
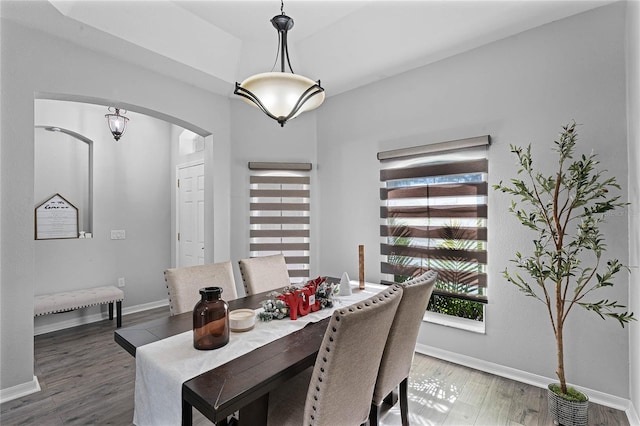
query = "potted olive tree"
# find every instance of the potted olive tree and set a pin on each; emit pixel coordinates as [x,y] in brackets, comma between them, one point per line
[564,266]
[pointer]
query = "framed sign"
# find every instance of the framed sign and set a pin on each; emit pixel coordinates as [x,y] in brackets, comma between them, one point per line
[56,218]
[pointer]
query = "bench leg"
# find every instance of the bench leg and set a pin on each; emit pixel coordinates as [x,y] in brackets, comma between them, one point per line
[110,311]
[119,313]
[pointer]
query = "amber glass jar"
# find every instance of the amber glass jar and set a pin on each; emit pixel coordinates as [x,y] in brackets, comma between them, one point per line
[210,320]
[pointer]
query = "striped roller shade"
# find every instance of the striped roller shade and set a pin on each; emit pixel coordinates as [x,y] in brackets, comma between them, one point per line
[433,215]
[279,220]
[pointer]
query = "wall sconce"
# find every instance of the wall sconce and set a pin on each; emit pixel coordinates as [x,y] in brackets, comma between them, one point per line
[117,123]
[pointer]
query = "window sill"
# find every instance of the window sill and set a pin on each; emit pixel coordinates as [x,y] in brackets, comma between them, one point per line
[455,322]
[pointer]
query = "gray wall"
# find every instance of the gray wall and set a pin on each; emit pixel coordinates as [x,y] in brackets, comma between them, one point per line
[519,90]
[633,117]
[256,137]
[131,191]
[33,63]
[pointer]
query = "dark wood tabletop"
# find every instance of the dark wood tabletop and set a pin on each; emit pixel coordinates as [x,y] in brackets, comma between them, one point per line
[242,384]
[132,337]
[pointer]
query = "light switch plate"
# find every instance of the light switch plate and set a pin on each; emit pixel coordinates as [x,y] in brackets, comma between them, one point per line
[118,234]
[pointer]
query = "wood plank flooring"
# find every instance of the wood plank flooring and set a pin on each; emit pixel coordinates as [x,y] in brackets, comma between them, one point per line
[87,379]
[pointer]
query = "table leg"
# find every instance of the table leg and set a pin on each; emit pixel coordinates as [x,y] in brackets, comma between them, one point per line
[187,414]
[255,413]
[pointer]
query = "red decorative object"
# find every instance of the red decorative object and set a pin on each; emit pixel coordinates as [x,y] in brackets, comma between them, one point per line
[303,305]
[292,300]
[303,300]
[310,300]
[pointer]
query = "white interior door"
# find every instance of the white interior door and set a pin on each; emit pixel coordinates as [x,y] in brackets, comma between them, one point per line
[190,215]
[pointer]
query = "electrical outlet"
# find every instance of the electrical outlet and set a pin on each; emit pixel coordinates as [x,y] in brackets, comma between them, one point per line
[118,234]
[121,282]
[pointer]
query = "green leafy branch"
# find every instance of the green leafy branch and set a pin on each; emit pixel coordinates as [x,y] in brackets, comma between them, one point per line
[565,210]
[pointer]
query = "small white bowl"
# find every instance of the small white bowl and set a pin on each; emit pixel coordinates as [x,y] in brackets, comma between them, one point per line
[242,320]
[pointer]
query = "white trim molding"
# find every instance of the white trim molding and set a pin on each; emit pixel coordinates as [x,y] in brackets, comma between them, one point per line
[632,416]
[455,322]
[18,391]
[595,396]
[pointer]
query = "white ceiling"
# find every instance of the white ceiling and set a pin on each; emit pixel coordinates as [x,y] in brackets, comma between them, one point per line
[345,44]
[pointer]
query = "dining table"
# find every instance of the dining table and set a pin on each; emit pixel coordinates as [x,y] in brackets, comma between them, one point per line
[223,382]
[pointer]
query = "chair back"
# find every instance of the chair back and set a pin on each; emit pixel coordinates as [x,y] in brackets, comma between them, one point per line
[395,364]
[347,364]
[264,273]
[183,284]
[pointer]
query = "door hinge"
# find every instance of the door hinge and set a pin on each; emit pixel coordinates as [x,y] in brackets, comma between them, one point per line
[178,183]
[178,236]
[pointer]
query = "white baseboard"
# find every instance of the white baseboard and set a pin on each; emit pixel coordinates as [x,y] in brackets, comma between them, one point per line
[18,391]
[61,325]
[145,306]
[523,376]
[632,415]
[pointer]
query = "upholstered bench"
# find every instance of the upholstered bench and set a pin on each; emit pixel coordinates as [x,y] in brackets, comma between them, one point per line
[71,300]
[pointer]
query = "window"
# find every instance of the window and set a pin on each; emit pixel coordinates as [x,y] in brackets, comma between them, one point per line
[434,216]
[279,218]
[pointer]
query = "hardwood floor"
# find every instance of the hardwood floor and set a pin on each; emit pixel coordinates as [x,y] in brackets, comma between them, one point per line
[87,379]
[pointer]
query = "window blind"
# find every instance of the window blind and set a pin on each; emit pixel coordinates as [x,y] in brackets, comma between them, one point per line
[279,220]
[434,216]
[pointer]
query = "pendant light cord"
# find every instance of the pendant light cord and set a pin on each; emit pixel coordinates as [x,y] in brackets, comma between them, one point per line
[283,51]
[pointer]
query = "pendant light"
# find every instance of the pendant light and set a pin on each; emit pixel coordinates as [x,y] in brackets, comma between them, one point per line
[117,123]
[281,95]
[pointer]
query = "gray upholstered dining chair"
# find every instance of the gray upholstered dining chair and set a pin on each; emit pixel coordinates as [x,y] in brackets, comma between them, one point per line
[264,273]
[401,343]
[338,389]
[183,284]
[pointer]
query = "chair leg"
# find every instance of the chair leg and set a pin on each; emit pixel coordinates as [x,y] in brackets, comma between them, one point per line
[374,414]
[404,403]
[110,311]
[392,398]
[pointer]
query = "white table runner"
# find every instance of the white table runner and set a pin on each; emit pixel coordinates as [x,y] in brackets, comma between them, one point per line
[162,367]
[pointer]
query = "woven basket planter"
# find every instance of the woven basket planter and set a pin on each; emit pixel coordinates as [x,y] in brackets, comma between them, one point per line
[567,413]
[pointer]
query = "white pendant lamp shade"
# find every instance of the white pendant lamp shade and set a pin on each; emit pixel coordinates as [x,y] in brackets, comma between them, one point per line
[281,93]
[117,123]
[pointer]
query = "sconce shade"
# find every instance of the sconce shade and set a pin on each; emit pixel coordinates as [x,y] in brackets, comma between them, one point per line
[282,96]
[117,123]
